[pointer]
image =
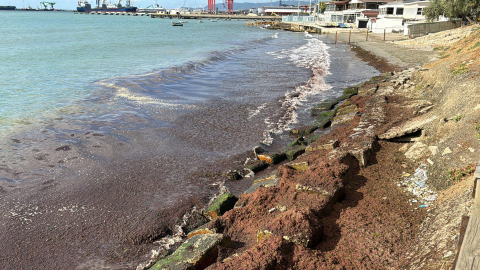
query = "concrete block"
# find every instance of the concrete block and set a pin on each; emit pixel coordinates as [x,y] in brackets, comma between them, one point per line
[220,205]
[270,181]
[198,252]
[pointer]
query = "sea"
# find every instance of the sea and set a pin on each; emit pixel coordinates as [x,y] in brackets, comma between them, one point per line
[115,129]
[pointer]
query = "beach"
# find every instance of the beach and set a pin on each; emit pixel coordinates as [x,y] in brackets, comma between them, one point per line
[100,180]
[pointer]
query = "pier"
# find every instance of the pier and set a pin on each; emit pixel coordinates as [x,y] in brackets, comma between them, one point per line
[215,16]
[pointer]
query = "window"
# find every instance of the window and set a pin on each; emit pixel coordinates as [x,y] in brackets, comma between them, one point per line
[399,11]
[350,18]
[390,11]
[337,18]
[330,8]
[420,11]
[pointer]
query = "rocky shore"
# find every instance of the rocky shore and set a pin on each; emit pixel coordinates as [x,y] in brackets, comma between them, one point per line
[385,188]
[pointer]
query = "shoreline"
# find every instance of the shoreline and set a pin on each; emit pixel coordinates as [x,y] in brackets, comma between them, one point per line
[247,168]
[232,223]
[73,211]
[296,221]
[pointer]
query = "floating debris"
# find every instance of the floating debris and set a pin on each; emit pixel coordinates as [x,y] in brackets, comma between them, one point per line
[417,185]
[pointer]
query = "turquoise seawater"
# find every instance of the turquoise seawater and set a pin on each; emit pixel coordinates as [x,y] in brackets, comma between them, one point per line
[49,60]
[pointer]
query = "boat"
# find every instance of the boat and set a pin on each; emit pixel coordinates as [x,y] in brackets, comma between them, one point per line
[8,7]
[84,6]
[182,21]
[152,9]
[177,24]
[200,21]
[214,20]
[29,8]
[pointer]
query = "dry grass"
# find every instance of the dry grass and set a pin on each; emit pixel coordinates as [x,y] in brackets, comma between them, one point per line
[462,56]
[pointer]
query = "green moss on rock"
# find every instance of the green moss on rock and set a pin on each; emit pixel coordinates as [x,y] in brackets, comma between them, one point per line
[350,91]
[324,118]
[324,106]
[302,131]
[222,204]
[295,152]
[312,139]
[257,166]
[345,97]
[297,141]
[198,252]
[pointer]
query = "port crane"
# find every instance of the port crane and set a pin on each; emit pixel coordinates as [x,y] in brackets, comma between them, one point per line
[45,4]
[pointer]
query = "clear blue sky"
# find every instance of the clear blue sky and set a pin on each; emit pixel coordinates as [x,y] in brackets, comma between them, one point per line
[72,4]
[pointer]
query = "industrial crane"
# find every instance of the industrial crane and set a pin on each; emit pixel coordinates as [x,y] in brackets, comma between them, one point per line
[47,3]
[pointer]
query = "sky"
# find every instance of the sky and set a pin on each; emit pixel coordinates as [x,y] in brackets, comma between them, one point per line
[72,4]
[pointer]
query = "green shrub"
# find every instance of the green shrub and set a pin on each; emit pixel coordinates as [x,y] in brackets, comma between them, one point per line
[457,174]
[477,128]
[457,118]
[460,70]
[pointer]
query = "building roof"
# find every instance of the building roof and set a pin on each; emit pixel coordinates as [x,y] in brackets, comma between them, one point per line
[370,13]
[378,1]
[357,1]
[338,3]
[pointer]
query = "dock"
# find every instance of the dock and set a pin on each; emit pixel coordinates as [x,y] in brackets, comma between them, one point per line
[216,16]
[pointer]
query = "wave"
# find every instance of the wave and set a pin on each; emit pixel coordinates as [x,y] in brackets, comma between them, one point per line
[146,89]
[314,56]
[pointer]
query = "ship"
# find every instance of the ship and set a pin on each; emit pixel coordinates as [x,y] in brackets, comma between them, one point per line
[8,7]
[152,9]
[84,6]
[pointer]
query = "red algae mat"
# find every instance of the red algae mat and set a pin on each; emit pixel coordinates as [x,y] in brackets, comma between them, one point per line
[336,214]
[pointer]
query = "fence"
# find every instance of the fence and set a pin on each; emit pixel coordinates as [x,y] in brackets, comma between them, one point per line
[421,29]
[359,36]
[298,19]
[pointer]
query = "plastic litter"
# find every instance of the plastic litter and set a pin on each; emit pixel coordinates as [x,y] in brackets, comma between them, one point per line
[417,185]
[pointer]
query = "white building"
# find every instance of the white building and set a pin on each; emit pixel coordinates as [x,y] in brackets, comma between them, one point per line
[406,9]
[356,12]
[283,10]
[392,16]
[377,15]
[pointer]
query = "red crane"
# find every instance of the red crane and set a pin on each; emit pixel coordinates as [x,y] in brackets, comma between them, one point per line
[211,6]
[212,3]
[229,6]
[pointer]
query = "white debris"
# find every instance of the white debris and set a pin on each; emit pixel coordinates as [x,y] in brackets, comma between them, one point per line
[417,185]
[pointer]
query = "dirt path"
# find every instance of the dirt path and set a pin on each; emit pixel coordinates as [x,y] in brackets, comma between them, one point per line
[393,50]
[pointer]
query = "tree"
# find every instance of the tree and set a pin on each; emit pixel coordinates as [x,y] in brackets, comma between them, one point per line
[322,6]
[452,9]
